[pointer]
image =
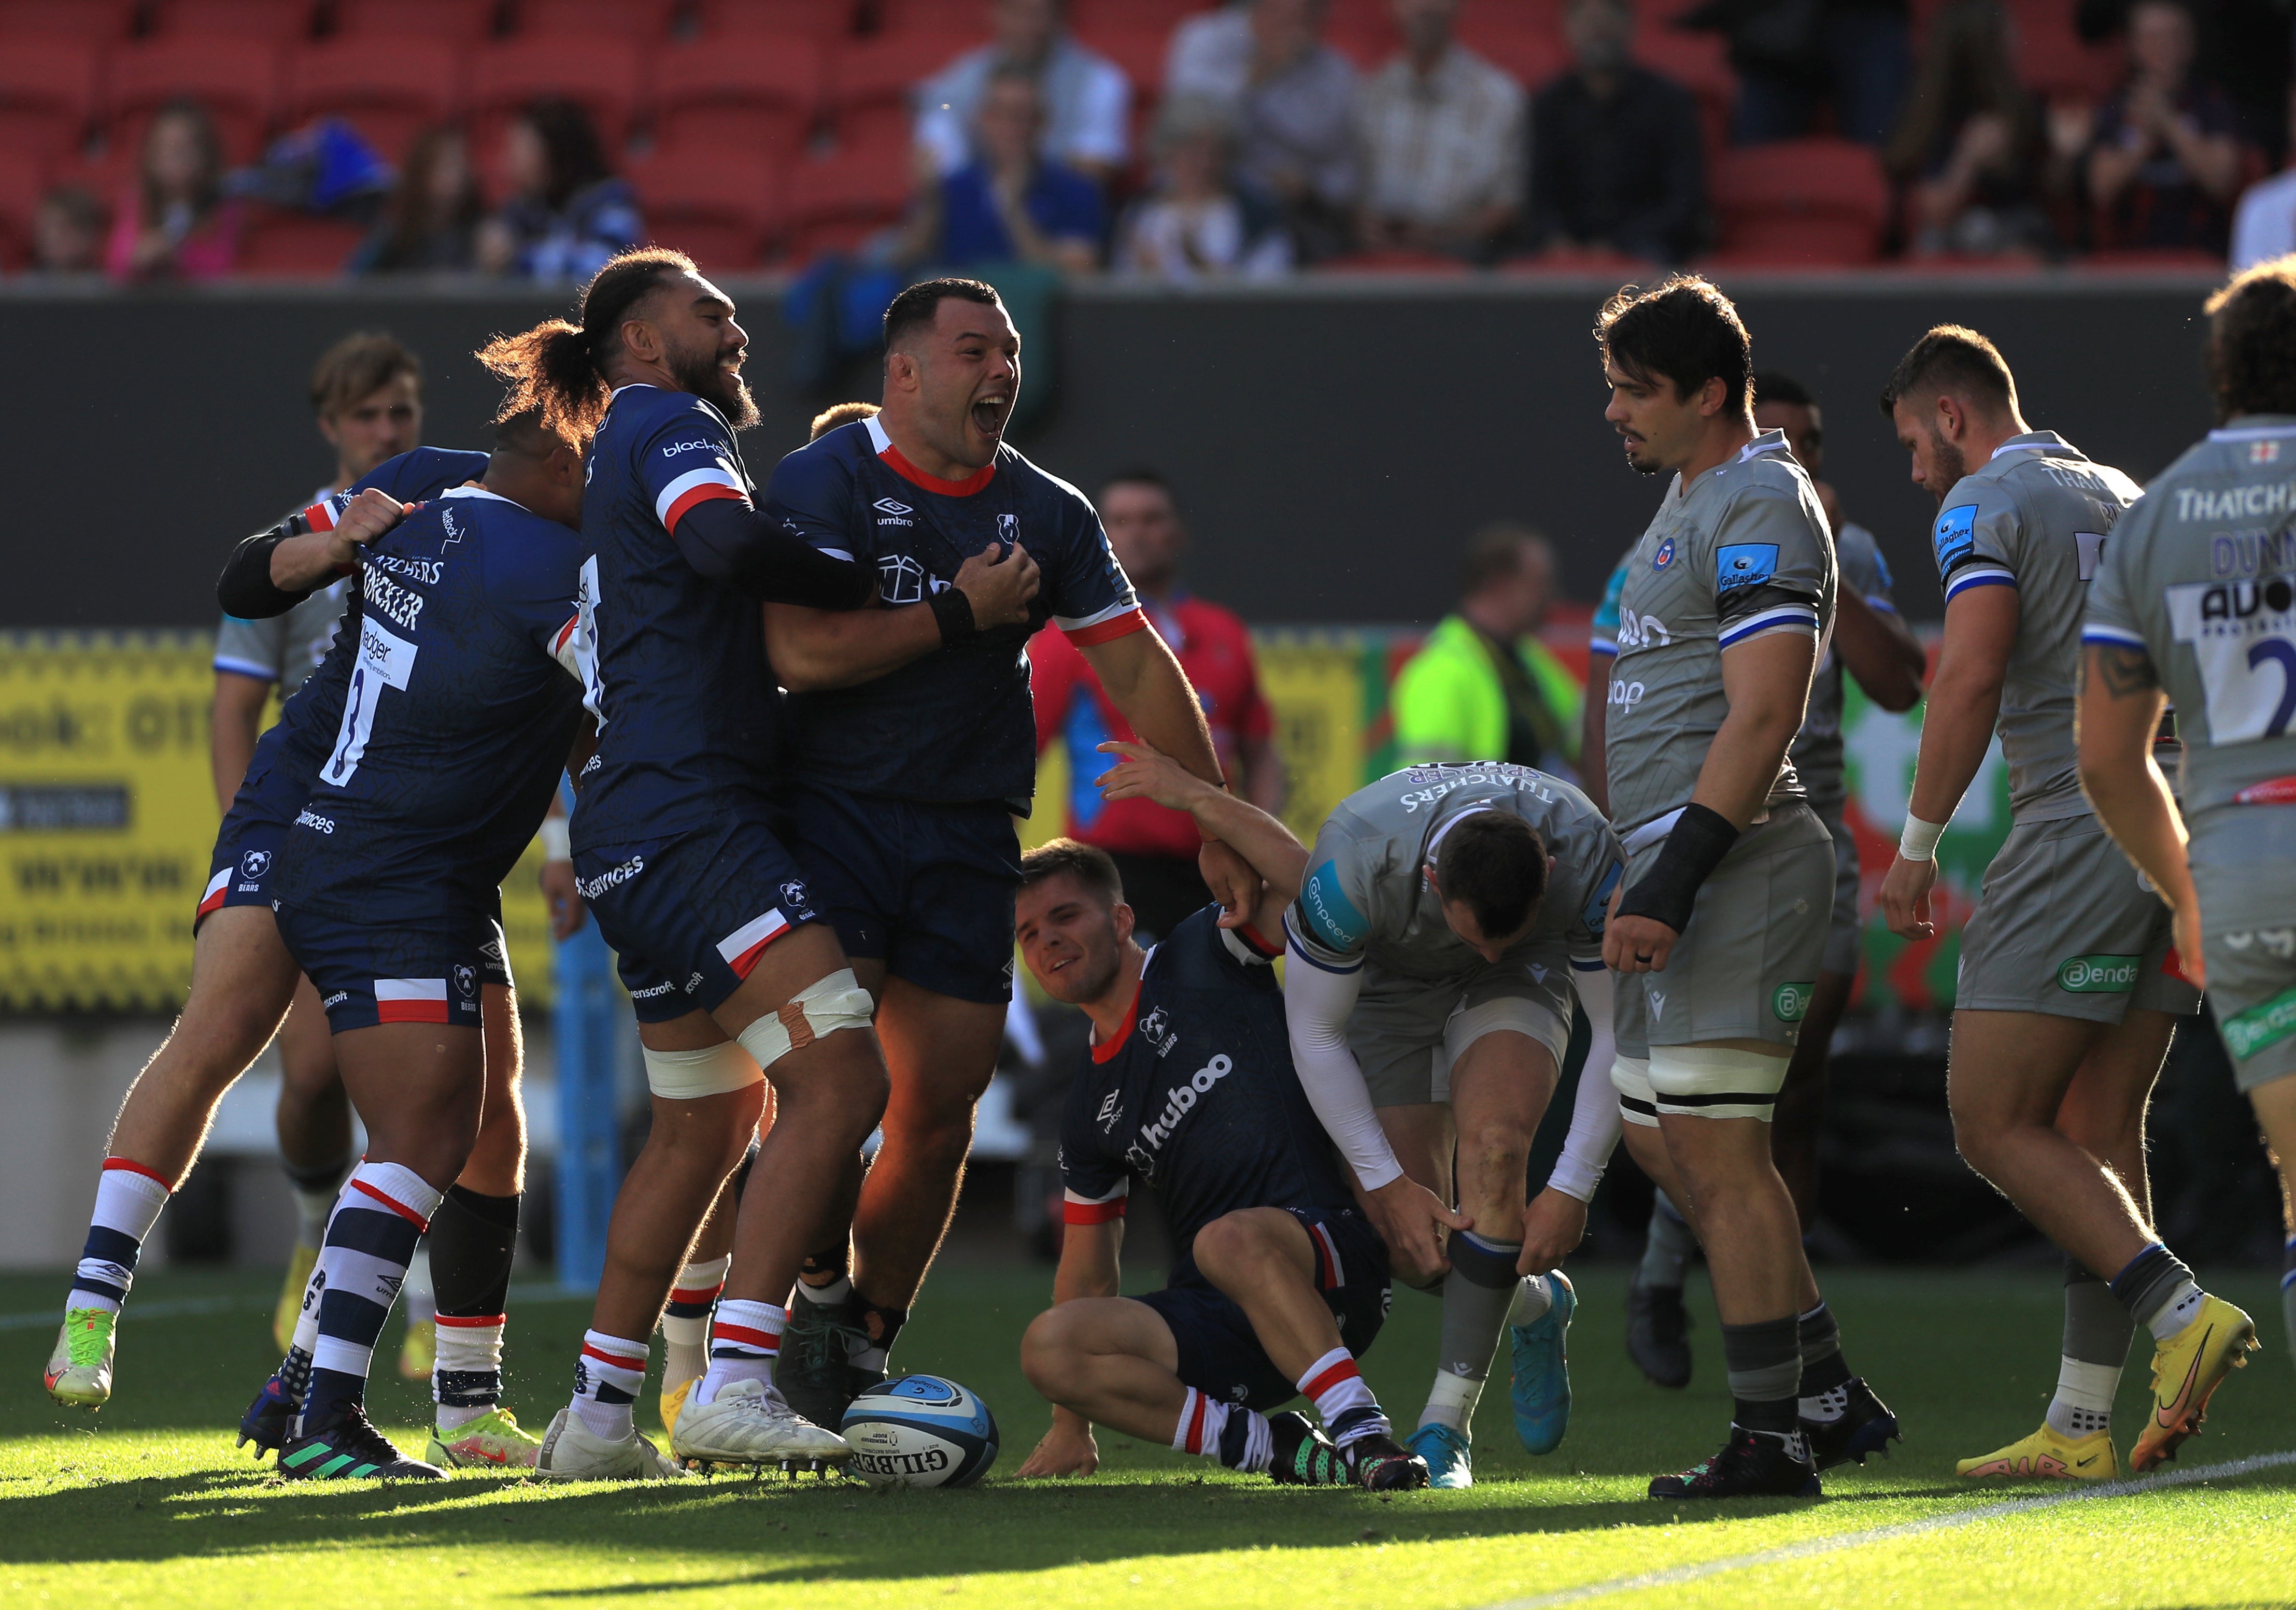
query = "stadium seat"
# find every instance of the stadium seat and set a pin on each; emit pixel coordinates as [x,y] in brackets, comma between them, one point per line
[741,92]
[22,182]
[1392,260]
[2151,259]
[1614,265]
[235,79]
[870,81]
[1800,203]
[390,88]
[1531,56]
[280,244]
[836,202]
[720,206]
[2051,59]
[282,20]
[1363,30]
[644,21]
[1140,52]
[453,21]
[815,20]
[98,21]
[600,75]
[47,95]
[1700,61]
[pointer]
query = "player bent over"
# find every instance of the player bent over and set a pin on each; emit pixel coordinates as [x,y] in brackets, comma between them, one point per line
[1434,949]
[2195,602]
[2070,990]
[1279,1284]
[1721,921]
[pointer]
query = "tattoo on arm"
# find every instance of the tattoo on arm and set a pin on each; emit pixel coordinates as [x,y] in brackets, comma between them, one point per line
[2125,672]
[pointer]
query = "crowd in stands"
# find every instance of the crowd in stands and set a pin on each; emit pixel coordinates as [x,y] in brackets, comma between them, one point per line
[191,139]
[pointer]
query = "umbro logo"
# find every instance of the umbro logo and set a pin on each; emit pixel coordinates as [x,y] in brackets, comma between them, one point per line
[1106,1116]
[890,505]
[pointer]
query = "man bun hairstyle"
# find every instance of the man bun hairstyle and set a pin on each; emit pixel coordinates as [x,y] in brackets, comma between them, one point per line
[1494,864]
[1089,865]
[1685,330]
[916,307]
[357,367]
[560,367]
[1952,359]
[2253,341]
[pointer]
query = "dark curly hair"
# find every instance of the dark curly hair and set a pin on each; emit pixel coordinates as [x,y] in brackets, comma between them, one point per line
[2253,341]
[1683,327]
[558,367]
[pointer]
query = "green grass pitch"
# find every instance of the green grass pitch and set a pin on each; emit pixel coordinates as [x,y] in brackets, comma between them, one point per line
[146,1502]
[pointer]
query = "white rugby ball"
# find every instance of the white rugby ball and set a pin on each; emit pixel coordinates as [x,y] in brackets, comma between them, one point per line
[920,1431]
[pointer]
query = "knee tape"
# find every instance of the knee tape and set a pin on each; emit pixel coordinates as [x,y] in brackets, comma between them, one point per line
[714,1070]
[820,1009]
[1712,1082]
[1509,1014]
[1637,1102]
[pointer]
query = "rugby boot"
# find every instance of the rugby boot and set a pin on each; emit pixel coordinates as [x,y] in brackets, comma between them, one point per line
[1541,1387]
[300,1263]
[352,1449]
[1864,1426]
[1449,1456]
[1303,1455]
[269,1422]
[749,1423]
[2188,1369]
[1380,1464]
[79,1375]
[1752,1464]
[673,1400]
[494,1440]
[569,1451]
[814,1372]
[2047,1455]
[1657,1333]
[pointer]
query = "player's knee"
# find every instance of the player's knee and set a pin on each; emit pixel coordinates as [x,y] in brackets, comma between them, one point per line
[1236,1246]
[1496,1150]
[1050,1353]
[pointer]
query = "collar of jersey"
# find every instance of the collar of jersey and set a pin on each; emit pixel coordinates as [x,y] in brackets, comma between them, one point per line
[899,465]
[1102,1053]
[2032,441]
[2265,425]
[475,492]
[1763,442]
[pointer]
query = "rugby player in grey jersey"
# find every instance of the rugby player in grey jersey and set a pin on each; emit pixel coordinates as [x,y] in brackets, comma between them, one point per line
[2069,993]
[2195,604]
[1721,919]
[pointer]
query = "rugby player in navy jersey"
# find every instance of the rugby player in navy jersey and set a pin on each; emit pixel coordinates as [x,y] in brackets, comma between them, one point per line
[1279,1283]
[672,840]
[244,978]
[912,745]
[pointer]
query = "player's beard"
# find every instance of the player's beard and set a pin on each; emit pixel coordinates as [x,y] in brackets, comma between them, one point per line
[727,391]
[1949,461]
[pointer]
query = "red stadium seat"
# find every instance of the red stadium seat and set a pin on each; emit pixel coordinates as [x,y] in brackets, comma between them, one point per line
[1701,63]
[743,91]
[870,81]
[235,79]
[98,21]
[2051,59]
[1531,56]
[47,95]
[1392,260]
[283,21]
[1141,53]
[719,207]
[600,75]
[22,184]
[1616,267]
[1800,203]
[455,21]
[291,245]
[641,21]
[2151,259]
[814,19]
[389,88]
[1152,16]
[836,202]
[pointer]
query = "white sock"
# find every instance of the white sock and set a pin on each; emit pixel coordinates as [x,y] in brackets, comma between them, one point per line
[607,1378]
[422,1299]
[129,1198]
[2083,1405]
[1532,1299]
[468,1350]
[1452,1401]
[744,1340]
[2173,1315]
[312,1210]
[1342,1402]
[829,1296]
[685,1323]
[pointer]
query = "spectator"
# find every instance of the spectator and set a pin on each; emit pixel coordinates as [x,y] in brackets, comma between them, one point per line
[1795,56]
[1968,147]
[1293,99]
[174,221]
[1617,161]
[68,233]
[1008,204]
[1442,136]
[1087,98]
[2265,226]
[429,224]
[1195,224]
[1155,848]
[1483,687]
[2164,165]
[567,212]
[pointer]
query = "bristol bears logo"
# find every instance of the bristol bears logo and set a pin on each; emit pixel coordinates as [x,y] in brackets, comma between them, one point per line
[254,863]
[793,895]
[466,980]
[1156,1029]
[900,580]
[1008,529]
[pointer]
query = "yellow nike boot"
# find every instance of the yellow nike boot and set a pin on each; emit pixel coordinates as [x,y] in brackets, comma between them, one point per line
[494,1440]
[300,1263]
[2048,1455]
[2188,1369]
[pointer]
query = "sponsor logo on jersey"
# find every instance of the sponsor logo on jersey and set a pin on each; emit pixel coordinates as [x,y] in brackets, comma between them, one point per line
[900,580]
[337,999]
[1791,1002]
[1954,536]
[428,571]
[1664,556]
[446,521]
[1598,903]
[2264,452]
[2237,600]
[1156,1029]
[674,448]
[1332,920]
[1641,631]
[891,505]
[254,863]
[1106,1116]
[492,950]
[466,979]
[2261,1025]
[1657,1003]
[387,595]
[693,984]
[1744,565]
[2098,975]
[613,878]
[793,895]
[2235,503]
[2279,942]
[1625,695]
[2246,553]
[315,822]
[1178,1103]
[653,991]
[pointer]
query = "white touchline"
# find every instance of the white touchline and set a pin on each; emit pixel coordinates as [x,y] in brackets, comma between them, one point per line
[1679,1574]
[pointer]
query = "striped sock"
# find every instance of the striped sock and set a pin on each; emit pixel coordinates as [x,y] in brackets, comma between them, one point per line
[1203,1421]
[466,1384]
[607,1380]
[384,1209]
[744,1340]
[685,1323]
[1342,1402]
[1239,1438]
[129,1198]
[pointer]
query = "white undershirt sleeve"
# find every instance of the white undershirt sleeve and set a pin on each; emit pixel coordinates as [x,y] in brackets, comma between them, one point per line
[1317,1004]
[1595,1115]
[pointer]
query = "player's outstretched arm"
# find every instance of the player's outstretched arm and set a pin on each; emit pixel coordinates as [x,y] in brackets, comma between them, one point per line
[1089,1268]
[812,649]
[1265,843]
[271,572]
[1880,651]
[2120,704]
[727,541]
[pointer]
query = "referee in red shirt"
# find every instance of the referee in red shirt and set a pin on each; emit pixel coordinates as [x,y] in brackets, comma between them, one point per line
[1155,849]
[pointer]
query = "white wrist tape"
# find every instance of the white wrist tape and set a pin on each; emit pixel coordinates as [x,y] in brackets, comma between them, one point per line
[1919,841]
[556,836]
[814,1012]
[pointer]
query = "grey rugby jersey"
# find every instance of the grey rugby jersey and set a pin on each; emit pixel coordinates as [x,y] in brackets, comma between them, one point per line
[1365,897]
[1816,752]
[286,648]
[1741,551]
[2201,576]
[2035,517]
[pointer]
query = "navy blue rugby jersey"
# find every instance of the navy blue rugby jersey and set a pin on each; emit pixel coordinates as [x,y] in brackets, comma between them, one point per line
[1197,1098]
[285,764]
[462,698]
[956,726]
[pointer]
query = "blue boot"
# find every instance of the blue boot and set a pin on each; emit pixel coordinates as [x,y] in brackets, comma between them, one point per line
[1541,1370]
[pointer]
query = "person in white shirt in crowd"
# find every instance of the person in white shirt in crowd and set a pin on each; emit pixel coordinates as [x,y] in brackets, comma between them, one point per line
[2264,227]
[1442,133]
[1196,224]
[1087,100]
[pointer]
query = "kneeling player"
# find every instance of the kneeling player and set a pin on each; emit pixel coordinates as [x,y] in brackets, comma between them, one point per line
[1280,1282]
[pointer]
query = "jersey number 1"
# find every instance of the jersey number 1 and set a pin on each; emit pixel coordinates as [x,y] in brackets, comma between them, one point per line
[385,660]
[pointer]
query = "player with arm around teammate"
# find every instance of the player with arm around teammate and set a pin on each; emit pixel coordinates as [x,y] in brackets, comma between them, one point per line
[2069,990]
[1450,915]
[1280,1284]
[2195,604]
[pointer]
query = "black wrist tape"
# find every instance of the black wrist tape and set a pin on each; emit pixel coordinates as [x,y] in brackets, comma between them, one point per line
[953,612]
[1696,846]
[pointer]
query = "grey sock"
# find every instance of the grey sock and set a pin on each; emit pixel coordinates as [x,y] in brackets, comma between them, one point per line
[1475,1302]
[2097,1329]
[1765,1365]
[1667,1254]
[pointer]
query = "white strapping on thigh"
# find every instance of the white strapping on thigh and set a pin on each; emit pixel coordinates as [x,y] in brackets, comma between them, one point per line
[819,1009]
[1630,1077]
[689,1075]
[1701,1081]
